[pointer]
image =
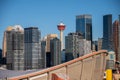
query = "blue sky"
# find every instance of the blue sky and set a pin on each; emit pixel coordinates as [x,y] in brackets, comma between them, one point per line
[46,14]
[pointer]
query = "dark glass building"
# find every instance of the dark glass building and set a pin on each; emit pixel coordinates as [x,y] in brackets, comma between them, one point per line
[0,56]
[95,45]
[107,32]
[48,52]
[55,48]
[63,55]
[119,18]
[32,48]
[84,25]
[43,53]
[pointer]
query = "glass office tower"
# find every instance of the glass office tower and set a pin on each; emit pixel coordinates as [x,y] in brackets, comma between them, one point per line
[119,17]
[32,48]
[55,48]
[84,26]
[107,32]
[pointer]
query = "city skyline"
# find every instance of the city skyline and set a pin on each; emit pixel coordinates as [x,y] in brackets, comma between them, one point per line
[47,14]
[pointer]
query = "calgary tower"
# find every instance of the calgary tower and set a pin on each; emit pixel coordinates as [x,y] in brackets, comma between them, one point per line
[61,28]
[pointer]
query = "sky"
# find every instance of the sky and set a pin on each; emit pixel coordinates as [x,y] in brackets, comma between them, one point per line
[46,14]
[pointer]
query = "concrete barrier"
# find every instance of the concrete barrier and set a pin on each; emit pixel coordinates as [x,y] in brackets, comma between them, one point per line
[87,69]
[60,70]
[40,77]
[74,70]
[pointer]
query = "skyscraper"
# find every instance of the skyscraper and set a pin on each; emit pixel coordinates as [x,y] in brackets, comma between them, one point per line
[4,46]
[55,48]
[116,31]
[32,48]
[107,32]
[119,18]
[48,52]
[49,37]
[72,45]
[84,47]
[0,56]
[15,47]
[84,25]
[43,53]
[63,56]
[94,45]
[100,43]
[119,41]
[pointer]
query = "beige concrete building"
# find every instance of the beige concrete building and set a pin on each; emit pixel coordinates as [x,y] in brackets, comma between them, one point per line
[100,43]
[4,46]
[49,37]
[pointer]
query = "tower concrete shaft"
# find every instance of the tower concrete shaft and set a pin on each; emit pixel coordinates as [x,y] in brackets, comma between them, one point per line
[61,39]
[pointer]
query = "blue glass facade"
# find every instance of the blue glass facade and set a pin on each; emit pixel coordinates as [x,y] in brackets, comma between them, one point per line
[32,35]
[84,25]
[107,32]
[80,26]
[119,18]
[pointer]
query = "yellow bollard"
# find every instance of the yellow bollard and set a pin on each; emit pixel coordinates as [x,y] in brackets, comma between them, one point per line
[108,74]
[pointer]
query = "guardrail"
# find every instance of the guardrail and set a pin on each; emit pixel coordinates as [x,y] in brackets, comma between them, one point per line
[88,67]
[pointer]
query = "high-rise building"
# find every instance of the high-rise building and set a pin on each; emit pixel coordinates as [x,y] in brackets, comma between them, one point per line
[14,47]
[0,56]
[107,32]
[48,52]
[100,43]
[49,37]
[84,47]
[32,44]
[116,31]
[4,46]
[63,56]
[119,18]
[55,48]
[84,25]
[94,45]
[119,41]
[43,53]
[72,45]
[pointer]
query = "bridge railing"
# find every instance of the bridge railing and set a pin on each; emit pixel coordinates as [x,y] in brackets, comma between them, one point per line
[88,67]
